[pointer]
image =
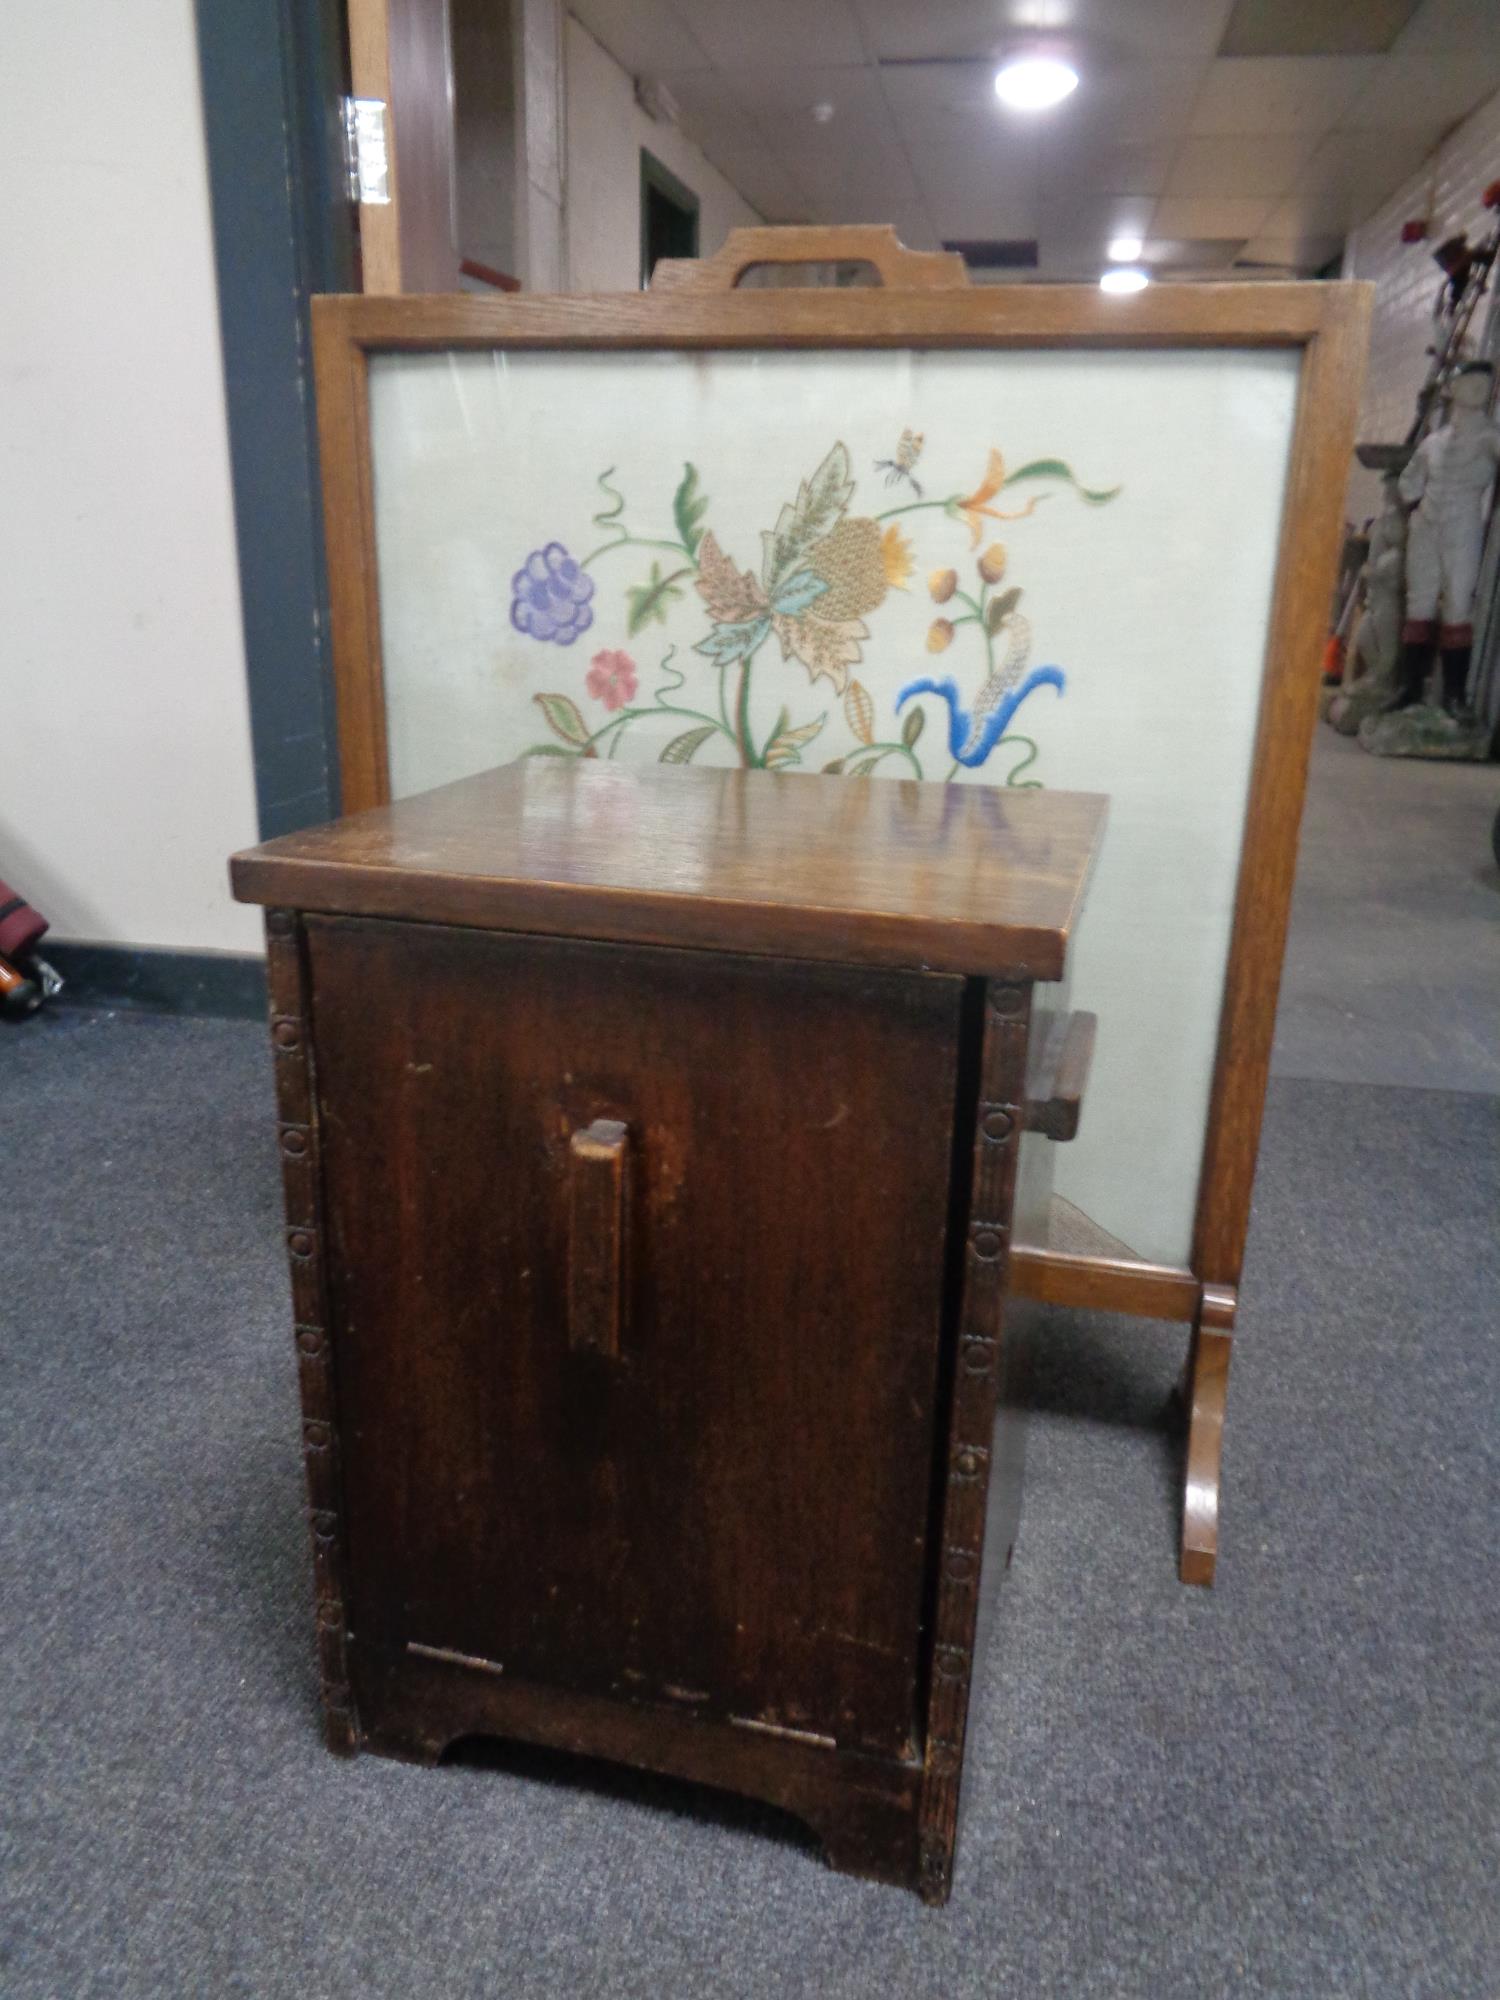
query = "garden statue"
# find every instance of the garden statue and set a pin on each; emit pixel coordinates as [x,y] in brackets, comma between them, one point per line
[1371,680]
[1447,482]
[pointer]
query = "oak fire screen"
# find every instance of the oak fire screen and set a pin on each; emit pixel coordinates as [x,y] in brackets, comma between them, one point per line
[1004,537]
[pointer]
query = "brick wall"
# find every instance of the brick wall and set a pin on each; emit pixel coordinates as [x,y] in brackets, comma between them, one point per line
[1446,190]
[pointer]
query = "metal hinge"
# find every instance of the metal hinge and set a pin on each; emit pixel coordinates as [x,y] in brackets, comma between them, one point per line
[366,153]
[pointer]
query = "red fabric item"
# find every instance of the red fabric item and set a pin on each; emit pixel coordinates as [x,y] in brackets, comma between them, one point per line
[1455,635]
[1419,631]
[1413,232]
[20,925]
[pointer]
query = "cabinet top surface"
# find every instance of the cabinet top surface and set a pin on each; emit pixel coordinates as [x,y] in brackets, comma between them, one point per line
[950,878]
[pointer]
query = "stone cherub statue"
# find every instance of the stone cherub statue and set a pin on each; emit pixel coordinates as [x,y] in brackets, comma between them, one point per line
[1447,482]
[1371,680]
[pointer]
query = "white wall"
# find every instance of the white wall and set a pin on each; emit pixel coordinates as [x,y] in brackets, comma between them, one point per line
[606,130]
[1446,190]
[125,770]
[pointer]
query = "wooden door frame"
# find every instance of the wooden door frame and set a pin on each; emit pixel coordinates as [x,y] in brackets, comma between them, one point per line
[273,85]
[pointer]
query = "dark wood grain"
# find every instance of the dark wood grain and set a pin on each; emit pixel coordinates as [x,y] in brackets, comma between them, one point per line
[863,1809]
[1054,1091]
[298,1135]
[960,878]
[731,1518]
[978,1365]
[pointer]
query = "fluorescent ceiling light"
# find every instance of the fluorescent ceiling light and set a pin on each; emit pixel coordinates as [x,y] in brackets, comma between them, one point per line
[1125,249]
[1034,83]
[1124,278]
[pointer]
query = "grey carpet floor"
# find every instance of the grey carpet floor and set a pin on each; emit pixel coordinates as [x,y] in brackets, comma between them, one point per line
[1289,1786]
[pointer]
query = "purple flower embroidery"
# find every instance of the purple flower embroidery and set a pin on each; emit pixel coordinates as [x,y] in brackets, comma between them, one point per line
[550,596]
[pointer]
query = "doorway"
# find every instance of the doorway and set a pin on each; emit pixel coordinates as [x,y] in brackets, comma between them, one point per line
[669,216]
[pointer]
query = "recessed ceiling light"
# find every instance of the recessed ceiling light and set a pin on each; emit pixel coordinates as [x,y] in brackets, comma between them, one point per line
[822,112]
[1125,249]
[1125,278]
[1034,83]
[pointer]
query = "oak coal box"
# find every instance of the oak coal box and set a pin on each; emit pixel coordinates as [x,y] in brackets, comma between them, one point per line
[652,1144]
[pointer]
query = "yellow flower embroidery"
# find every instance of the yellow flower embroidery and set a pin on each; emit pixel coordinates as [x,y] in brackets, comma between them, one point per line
[976,510]
[896,557]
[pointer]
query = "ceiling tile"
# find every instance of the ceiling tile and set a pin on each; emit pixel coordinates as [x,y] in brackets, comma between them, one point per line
[644,36]
[792,89]
[849,187]
[941,94]
[1296,253]
[1266,94]
[711,110]
[1311,214]
[914,227]
[1432,90]
[1181,29]
[1095,162]
[1357,170]
[1315,27]
[896,28]
[1169,254]
[737,35]
[1216,216]
[1137,102]
[1239,166]
[763,182]
[965,200]
[1092,220]
[1442,27]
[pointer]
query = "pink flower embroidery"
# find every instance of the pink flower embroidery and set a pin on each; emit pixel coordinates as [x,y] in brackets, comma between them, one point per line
[611,678]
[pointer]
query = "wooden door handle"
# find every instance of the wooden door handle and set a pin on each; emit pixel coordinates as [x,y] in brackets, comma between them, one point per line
[598,1227]
[1054,1090]
[876,244]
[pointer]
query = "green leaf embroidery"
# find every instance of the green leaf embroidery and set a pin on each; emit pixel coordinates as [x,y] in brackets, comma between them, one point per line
[688,508]
[681,748]
[912,728]
[1057,468]
[650,600]
[735,641]
[786,745]
[563,717]
[820,502]
[548,750]
[832,770]
[1000,609]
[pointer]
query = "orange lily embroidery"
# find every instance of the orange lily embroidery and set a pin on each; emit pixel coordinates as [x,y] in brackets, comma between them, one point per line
[976,510]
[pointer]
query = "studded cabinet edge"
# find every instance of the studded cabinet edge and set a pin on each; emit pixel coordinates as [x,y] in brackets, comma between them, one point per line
[997,1131]
[297,1138]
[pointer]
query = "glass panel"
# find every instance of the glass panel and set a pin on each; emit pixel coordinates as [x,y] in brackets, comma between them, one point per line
[1025,568]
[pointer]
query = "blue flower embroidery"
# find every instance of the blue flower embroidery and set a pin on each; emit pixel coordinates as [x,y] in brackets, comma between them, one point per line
[972,736]
[550,596]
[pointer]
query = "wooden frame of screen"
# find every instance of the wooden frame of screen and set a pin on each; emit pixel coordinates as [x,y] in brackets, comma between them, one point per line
[924,301]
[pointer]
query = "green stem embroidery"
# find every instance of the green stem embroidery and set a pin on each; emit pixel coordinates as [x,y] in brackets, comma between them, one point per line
[657,708]
[640,542]
[1031,784]
[915,507]
[742,716]
[892,750]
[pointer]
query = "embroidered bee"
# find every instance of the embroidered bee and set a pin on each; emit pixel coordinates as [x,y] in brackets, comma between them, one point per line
[908,451]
